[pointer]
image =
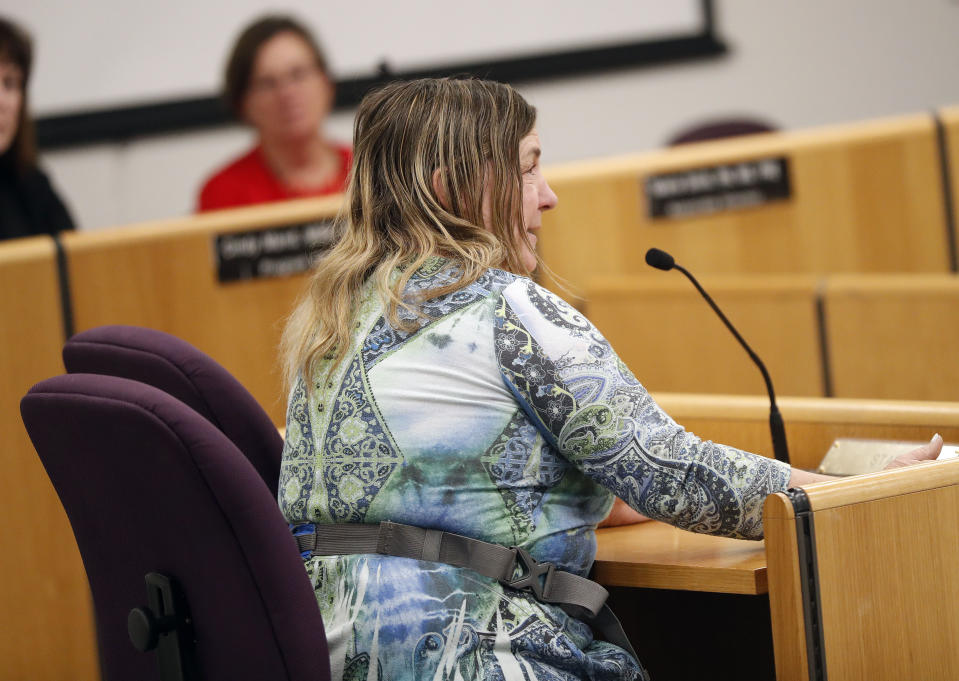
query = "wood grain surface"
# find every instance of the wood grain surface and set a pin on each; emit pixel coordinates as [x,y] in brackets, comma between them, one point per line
[785,589]
[162,275]
[659,556]
[893,336]
[47,631]
[812,424]
[887,571]
[668,336]
[866,197]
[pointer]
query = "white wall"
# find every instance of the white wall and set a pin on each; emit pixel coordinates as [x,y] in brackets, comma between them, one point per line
[194,38]
[798,64]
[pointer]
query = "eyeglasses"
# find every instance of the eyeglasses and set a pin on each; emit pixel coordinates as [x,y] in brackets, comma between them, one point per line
[296,76]
[11,80]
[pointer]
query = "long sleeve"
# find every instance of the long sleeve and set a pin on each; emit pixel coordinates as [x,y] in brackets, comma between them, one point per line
[55,216]
[590,408]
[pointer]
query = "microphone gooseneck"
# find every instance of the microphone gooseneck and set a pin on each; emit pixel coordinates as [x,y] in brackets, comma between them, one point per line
[664,261]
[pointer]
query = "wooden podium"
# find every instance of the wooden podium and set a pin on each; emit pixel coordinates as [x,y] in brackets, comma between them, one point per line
[864,576]
[857,578]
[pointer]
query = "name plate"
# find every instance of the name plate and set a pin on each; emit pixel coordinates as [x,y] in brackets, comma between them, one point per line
[271,252]
[715,189]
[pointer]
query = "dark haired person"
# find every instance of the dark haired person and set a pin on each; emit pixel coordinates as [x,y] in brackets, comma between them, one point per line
[28,203]
[277,82]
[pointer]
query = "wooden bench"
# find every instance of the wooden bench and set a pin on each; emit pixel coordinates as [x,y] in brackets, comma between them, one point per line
[163,275]
[865,197]
[48,632]
[670,338]
[893,337]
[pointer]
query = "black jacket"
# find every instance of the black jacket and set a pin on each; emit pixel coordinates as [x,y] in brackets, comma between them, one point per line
[28,203]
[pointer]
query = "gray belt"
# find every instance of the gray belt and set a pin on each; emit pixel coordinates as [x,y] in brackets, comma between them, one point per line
[579,597]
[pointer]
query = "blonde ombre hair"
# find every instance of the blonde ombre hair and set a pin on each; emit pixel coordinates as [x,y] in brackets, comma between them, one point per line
[467,133]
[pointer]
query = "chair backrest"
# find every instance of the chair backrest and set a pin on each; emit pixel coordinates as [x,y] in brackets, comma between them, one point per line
[191,376]
[151,486]
[719,128]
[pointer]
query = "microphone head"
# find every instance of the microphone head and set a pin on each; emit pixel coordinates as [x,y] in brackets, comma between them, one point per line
[661,260]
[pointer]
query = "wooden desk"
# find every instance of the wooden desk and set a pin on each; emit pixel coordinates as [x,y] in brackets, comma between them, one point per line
[662,580]
[812,424]
[47,615]
[655,555]
[882,583]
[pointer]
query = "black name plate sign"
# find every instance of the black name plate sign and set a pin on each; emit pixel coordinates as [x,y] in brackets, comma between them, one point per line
[715,189]
[271,252]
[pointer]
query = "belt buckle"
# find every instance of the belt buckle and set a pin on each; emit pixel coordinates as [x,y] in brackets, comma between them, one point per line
[305,536]
[532,571]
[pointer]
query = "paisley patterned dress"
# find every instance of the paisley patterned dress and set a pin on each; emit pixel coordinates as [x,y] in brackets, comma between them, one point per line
[505,416]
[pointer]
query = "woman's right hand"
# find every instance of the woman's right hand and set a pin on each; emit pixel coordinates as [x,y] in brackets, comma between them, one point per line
[927,452]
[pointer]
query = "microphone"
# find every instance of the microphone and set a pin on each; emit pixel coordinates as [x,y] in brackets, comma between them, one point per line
[662,260]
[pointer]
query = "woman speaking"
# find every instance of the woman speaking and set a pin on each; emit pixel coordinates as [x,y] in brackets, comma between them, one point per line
[455,432]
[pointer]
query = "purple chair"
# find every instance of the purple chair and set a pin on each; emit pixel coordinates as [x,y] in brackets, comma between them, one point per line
[193,377]
[150,486]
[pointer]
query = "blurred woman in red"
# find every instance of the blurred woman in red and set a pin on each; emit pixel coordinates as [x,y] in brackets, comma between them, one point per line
[277,82]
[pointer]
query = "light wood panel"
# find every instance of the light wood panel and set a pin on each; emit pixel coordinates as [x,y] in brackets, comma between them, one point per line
[785,589]
[881,485]
[162,275]
[893,337]
[47,619]
[658,556]
[672,341]
[812,424]
[866,197]
[887,571]
[655,555]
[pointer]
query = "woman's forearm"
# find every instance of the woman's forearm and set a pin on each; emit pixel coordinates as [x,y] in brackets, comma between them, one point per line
[622,514]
